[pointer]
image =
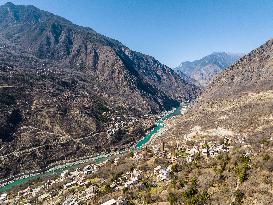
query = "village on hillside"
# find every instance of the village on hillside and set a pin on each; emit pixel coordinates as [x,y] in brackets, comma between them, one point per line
[160,172]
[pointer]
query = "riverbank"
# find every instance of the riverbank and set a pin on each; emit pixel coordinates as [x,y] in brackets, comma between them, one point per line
[160,126]
[9,183]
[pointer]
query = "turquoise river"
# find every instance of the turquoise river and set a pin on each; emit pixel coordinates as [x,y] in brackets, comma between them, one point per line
[159,125]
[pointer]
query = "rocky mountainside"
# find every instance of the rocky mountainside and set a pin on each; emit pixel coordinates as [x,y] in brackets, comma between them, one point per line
[203,71]
[218,152]
[239,99]
[67,91]
[227,134]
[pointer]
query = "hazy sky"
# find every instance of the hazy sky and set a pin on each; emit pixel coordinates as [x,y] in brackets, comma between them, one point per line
[172,30]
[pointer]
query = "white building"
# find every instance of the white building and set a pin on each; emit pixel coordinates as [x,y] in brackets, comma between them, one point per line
[68,185]
[3,197]
[110,202]
[162,173]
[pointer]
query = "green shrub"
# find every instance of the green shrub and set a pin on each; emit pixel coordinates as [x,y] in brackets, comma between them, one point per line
[223,162]
[147,184]
[266,157]
[242,168]
[172,198]
[182,183]
[192,196]
[175,168]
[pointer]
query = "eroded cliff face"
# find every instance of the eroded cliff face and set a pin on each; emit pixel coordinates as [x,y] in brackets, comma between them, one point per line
[67,91]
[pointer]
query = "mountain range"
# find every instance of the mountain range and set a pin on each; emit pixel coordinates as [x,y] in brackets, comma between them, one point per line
[67,91]
[203,71]
[219,151]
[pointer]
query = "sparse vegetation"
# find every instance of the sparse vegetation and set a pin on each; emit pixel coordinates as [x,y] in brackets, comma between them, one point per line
[239,195]
[242,168]
[192,196]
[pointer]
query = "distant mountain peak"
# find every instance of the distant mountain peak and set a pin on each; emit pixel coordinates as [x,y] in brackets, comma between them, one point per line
[9,4]
[204,69]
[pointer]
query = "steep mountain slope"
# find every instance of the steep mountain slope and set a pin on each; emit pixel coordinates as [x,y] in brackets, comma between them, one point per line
[67,91]
[224,141]
[239,99]
[203,70]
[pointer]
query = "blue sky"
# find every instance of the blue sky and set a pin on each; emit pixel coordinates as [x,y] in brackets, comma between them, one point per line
[172,30]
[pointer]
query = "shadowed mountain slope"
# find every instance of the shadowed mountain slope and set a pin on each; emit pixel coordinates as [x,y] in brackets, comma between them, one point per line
[67,91]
